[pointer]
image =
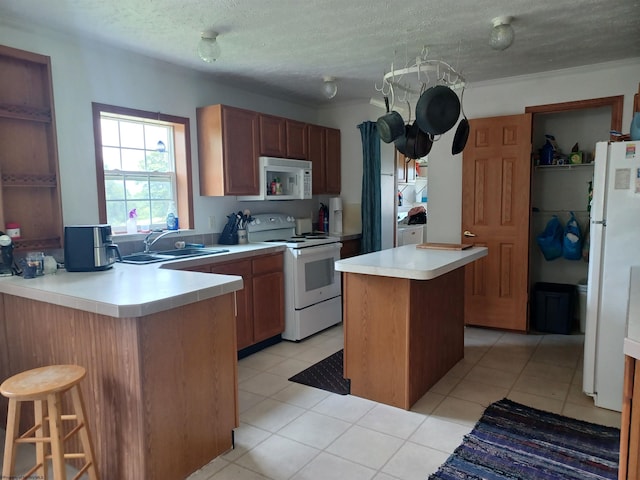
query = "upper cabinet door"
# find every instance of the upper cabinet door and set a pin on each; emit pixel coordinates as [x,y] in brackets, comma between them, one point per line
[272,136]
[297,142]
[227,151]
[333,163]
[317,147]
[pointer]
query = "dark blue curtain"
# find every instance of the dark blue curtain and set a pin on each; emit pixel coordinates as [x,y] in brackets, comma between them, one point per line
[371,210]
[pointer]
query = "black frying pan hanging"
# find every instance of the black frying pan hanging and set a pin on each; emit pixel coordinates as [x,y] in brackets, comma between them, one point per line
[461,136]
[462,132]
[401,142]
[424,142]
[437,110]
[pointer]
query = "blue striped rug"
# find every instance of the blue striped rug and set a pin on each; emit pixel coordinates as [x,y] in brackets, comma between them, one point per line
[512,441]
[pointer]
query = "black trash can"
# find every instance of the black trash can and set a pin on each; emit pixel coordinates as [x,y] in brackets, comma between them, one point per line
[552,307]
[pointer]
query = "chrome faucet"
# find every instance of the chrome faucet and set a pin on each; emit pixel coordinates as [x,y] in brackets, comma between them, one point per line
[149,243]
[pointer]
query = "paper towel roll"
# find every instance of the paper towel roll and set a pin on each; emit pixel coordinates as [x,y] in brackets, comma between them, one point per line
[335,203]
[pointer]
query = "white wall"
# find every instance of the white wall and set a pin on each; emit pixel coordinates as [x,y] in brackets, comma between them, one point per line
[88,72]
[503,97]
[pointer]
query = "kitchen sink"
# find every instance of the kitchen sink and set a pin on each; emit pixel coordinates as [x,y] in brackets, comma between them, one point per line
[165,255]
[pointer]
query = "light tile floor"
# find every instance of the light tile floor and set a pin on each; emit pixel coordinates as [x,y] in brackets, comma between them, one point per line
[291,431]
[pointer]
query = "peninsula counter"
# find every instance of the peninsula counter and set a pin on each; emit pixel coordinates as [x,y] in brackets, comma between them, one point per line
[159,347]
[403,320]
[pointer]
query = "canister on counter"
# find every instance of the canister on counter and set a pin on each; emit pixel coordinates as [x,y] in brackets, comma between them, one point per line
[36,259]
[13,230]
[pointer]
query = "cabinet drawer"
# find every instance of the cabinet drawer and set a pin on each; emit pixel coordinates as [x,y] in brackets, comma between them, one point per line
[242,268]
[267,264]
[410,235]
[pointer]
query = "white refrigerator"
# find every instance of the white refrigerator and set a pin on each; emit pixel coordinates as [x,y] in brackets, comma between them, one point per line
[614,248]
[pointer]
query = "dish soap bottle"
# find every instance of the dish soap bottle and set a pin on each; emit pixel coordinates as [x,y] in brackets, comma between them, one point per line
[172,217]
[132,225]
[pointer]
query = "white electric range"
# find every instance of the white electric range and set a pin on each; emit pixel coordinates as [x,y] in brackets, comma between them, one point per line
[312,289]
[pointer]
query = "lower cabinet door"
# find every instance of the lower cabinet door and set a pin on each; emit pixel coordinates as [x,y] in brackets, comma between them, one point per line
[244,314]
[268,305]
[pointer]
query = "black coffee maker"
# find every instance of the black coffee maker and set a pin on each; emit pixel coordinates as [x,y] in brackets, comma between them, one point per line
[6,255]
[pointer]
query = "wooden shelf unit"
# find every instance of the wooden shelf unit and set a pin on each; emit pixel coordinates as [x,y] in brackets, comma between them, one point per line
[29,180]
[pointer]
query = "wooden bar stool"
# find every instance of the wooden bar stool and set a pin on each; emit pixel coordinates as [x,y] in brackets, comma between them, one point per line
[44,387]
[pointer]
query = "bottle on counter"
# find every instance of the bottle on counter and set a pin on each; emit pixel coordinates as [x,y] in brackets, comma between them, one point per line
[172,217]
[132,222]
[321,218]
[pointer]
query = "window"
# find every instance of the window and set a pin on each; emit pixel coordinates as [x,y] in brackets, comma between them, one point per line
[142,163]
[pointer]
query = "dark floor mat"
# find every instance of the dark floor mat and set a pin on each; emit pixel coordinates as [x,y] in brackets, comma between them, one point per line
[326,374]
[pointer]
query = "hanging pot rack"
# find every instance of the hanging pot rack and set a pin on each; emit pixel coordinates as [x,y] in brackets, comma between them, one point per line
[406,83]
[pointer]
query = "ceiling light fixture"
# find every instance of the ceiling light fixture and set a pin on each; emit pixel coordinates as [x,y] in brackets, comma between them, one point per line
[502,34]
[329,87]
[208,47]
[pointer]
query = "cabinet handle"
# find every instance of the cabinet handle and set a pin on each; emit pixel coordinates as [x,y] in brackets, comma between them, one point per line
[467,233]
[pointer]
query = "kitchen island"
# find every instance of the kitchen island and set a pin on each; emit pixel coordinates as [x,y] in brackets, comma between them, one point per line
[159,347]
[403,312]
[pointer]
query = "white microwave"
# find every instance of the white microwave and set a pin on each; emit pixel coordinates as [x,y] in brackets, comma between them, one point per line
[283,179]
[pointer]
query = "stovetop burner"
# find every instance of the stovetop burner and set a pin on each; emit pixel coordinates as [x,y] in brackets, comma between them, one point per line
[280,228]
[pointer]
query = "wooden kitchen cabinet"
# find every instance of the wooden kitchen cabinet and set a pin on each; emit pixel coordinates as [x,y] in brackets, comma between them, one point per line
[405,168]
[268,296]
[282,138]
[244,299]
[297,140]
[350,248]
[260,304]
[273,136]
[334,165]
[630,421]
[29,177]
[324,153]
[228,148]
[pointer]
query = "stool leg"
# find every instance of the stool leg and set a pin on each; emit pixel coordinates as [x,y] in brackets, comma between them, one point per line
[13,424]
[54,405]
[38,407]
[85,435]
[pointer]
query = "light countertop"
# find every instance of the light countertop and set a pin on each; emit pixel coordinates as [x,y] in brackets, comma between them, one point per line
[410,262]
[632,339]
[136,290]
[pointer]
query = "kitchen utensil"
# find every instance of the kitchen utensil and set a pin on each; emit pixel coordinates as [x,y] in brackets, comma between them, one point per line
[401,142]
[424,142]
[390,125]
[462,132]
[461,136]
[437,110]
[412,138]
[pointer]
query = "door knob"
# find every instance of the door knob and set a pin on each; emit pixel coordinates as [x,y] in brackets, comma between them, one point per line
[467,233]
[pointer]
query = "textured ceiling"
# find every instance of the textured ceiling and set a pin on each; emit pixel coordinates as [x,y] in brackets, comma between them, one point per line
[285,47]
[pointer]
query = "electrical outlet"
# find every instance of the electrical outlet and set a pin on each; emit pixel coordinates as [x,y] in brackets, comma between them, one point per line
[212,221]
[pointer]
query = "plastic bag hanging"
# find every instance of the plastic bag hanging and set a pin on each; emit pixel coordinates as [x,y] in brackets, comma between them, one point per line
[572,240]
[550,240]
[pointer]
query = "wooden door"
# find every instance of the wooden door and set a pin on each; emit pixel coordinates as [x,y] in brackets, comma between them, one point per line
[496,177]
[240,162]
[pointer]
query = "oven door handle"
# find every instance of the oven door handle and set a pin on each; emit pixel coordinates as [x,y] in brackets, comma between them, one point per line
[319,250]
